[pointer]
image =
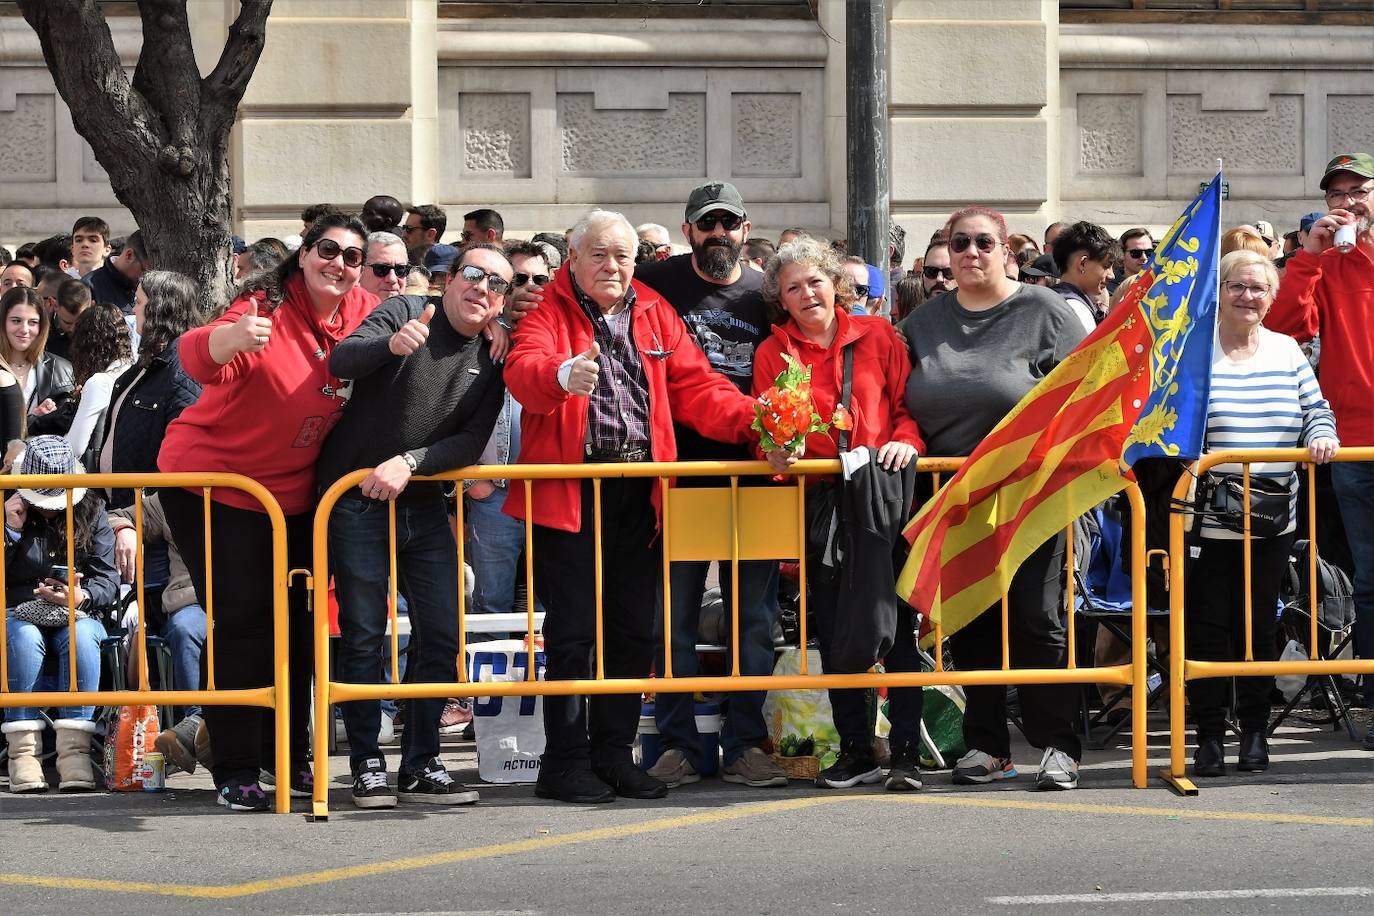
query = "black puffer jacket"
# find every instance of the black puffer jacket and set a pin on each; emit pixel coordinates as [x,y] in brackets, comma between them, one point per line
[30,559]
[157,396]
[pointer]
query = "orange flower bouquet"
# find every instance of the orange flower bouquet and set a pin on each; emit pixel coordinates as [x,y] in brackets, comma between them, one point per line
[785,414]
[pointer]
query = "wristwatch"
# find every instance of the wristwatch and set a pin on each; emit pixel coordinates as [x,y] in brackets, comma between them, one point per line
[410,461]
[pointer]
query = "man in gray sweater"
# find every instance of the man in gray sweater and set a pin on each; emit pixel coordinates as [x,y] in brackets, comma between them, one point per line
[425,394]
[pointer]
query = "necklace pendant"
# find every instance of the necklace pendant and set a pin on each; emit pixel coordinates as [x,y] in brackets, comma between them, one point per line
[319,354]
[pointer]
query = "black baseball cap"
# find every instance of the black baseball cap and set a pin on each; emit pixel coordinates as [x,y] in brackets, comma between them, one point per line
[1042,266]
[714,195]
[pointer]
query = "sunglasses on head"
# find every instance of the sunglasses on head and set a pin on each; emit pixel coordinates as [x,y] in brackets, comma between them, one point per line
[495,282]
[930,273]
[959,242]
[522,279]
[380,270]
[330,249]
[1140,253]
[728,221]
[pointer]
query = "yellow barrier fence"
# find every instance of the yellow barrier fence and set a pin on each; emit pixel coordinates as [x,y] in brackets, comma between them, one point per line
[274,697]
[728,524]
[1183,669]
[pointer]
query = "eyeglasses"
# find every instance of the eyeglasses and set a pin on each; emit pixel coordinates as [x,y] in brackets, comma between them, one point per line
[409,229]
[522,279]
[1140,254]
[1240,289]
[728,221]
[330,249]
[495,282]
[930,273]
[861,290]
[959,242]
[380,270]
[1354,195]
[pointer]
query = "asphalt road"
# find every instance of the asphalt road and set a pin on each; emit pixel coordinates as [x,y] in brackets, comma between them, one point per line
[1294,839]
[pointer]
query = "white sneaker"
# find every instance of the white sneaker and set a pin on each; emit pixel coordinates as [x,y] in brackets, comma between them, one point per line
[1057,771]
[387,733]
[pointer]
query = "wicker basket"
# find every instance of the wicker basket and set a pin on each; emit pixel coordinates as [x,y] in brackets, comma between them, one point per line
[799,767]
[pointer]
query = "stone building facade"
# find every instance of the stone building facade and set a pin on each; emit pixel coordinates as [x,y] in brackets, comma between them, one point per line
[1110,110]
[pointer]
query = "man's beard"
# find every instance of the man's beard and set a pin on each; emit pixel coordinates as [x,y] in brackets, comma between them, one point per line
[716,257]
[936,288]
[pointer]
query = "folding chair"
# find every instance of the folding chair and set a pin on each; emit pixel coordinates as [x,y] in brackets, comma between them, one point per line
[1296,624]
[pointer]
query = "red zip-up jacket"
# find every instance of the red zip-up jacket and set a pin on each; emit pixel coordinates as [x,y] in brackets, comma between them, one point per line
[264,414]
[877,400]
[1333,295]
[553,425]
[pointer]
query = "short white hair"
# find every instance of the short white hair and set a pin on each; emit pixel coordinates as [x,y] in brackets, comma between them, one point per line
[385,239]
[600,219]
[659,233]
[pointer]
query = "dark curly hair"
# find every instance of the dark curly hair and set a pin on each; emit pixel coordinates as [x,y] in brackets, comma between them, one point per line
[100,338]
[273,282]
[172,309]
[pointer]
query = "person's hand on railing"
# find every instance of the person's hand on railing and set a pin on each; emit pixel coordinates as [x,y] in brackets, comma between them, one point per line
[781,459]
[387,479]
[896,455]
[55,591]
[126,554]
[413,334]
[1322,449]
[584,371]
[16,511]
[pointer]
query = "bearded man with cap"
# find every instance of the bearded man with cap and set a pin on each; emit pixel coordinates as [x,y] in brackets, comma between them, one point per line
[1330,292]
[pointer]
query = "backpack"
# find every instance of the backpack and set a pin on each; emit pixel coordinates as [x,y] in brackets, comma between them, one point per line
[1335,595]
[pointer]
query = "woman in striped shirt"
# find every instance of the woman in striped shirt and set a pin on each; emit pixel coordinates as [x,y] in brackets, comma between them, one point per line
[1263,395]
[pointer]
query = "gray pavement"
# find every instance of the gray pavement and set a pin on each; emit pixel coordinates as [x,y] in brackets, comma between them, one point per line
[1294,839]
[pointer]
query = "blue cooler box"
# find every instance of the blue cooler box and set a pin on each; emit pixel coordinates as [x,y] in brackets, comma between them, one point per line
[708,727]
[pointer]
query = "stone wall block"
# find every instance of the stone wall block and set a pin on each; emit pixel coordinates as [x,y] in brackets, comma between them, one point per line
[973,64]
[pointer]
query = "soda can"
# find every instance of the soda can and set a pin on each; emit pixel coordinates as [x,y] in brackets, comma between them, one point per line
[1345,237]
[154,772]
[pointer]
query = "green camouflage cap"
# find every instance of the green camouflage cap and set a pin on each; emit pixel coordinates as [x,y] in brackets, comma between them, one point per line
[1361,164]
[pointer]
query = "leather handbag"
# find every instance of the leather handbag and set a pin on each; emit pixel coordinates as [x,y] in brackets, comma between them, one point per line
[1221,497]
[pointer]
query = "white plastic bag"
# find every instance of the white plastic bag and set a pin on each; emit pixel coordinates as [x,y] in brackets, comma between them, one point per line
[1290,684]
[510,730]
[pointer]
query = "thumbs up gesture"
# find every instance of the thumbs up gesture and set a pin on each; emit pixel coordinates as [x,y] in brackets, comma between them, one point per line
[251,332]
[582,377]
[413,333]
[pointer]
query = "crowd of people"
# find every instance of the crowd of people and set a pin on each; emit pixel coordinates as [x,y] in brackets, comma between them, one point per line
[368,342]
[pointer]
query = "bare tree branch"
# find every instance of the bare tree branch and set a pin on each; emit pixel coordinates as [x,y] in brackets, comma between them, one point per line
[223,89]
[166,69]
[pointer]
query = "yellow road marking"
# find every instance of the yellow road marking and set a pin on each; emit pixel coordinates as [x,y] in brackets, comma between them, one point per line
[390,866]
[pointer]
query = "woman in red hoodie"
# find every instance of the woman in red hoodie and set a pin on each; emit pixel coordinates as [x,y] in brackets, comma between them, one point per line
[268,400]
[810,293]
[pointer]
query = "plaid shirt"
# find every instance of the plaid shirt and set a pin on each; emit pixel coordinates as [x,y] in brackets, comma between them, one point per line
[618,409]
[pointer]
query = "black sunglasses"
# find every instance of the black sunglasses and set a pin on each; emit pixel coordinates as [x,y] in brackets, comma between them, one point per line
[330,249]
[522,279]
[930,273]
[728,221]
[1142,253]
[380,270]
[495,282]
[861,290]
[959,242]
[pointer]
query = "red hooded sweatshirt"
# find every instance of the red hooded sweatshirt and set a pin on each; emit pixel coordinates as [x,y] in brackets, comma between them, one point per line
[878,392]
[264,414]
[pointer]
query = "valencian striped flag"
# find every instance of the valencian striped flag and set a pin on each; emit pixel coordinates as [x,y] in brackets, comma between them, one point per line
[1136,387]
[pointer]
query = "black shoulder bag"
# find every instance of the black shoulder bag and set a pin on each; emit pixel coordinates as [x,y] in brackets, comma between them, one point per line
[822,521]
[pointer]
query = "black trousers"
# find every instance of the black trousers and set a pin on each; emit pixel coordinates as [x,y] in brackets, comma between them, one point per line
[241,544]
[1035,615]
[1215,627]
[598,732]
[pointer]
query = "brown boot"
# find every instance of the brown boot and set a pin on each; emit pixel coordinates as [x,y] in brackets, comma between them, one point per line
[26,772]
[75,770]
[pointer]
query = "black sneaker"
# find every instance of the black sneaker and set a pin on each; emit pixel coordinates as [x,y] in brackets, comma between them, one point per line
[432,785]
[629,781]
[302,780]
[903,771]
[242,795]
[369,785]
[852,769]
[575,786]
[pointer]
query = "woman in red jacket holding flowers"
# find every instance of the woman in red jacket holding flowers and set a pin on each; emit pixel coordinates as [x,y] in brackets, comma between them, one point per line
[810,294]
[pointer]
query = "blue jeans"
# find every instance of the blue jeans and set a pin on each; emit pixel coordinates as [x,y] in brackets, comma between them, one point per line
[185,635]
[29,645]
[427,564]
[402,644]
[673,713]
[494,542]
[1354,485]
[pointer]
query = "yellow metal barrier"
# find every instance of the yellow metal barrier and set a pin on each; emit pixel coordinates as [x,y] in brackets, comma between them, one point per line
[274,697]
[731,525]
[1182,669]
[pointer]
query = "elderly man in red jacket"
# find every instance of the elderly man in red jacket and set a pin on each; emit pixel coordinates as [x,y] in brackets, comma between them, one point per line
[602,368]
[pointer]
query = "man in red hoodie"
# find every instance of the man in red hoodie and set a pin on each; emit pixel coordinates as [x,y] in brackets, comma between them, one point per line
[602,368]
[1330,292]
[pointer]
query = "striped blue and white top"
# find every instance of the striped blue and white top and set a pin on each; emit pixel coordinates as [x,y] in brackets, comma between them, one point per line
[1269,400]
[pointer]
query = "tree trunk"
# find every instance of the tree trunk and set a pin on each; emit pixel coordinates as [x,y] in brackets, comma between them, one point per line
[164,137]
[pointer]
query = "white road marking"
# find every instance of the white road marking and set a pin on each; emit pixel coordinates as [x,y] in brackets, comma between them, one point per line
[1158,896]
